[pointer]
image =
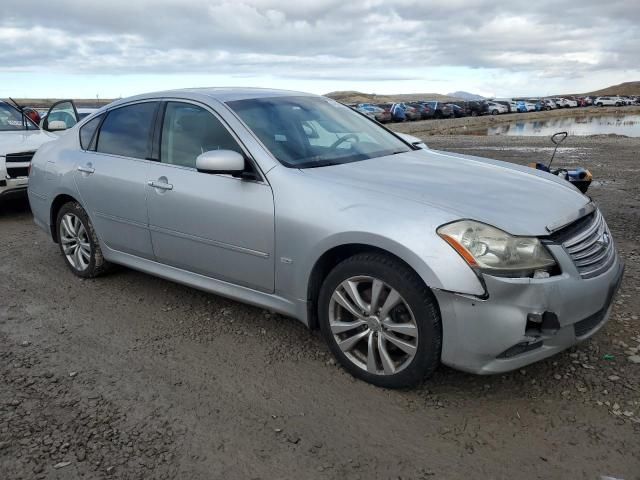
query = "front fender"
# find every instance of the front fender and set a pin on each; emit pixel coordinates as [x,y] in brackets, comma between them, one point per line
[437,264]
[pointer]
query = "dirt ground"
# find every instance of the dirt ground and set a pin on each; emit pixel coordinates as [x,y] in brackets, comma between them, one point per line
[130,376]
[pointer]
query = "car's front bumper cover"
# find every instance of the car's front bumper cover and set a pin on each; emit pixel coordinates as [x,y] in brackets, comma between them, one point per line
[13,187]
[493,335]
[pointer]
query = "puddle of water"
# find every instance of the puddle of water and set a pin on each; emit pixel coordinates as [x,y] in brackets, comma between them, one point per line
[628,125]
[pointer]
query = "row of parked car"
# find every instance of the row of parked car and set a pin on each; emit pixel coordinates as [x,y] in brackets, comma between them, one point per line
[433,109]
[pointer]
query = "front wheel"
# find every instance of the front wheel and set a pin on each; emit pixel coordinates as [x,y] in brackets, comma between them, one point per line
[494,112]
[78,242]
[380,321]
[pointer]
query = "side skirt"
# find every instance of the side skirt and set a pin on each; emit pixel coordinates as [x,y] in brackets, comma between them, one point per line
[276,303]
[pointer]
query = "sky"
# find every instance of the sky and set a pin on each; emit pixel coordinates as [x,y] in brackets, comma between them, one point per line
[502,48]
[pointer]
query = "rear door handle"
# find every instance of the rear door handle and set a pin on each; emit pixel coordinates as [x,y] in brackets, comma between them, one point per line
[87,169]
[161,186]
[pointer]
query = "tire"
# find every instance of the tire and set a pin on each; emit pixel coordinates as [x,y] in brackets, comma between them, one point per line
[416,314]
[599,104]
[494,112]
[79,243]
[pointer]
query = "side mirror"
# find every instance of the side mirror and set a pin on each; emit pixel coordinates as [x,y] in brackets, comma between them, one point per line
[220,161]
[55,126]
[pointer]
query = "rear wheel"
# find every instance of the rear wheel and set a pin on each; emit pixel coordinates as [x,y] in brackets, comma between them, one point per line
[78,242]
[380,321]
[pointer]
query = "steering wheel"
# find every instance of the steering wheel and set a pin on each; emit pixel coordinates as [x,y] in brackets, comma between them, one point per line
[343,139]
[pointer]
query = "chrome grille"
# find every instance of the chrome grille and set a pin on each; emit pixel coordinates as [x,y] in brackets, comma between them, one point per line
[591,247]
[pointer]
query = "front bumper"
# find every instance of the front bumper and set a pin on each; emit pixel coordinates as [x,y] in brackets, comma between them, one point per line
[13,187]
[494,335]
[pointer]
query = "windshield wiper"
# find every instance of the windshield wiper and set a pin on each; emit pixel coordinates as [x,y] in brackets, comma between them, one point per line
[320,163]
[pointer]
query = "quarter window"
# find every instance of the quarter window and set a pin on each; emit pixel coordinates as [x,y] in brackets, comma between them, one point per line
[188,131]
[126,130]
[87,131]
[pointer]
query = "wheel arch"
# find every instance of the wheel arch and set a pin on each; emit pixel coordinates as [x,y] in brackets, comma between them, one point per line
[56,205]
[332,257]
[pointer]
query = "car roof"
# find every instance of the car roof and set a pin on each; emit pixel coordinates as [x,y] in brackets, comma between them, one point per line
[222,94]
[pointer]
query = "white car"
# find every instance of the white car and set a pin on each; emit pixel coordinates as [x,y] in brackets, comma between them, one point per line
[565,102]
[20,138]
[614,101]
[494,108]
[549,104]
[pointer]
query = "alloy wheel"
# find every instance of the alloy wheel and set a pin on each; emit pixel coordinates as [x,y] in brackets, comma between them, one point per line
[373,325]
[75,241]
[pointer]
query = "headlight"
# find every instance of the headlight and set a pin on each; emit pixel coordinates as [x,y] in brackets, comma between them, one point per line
[494,251]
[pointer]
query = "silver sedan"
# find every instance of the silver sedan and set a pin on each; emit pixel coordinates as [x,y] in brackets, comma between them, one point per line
[403,257]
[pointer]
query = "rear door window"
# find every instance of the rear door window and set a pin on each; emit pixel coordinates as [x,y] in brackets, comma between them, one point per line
[88,130]
[127,131]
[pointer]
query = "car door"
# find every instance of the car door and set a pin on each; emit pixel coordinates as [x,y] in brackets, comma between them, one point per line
[112,172]
[215,225]
[61,116]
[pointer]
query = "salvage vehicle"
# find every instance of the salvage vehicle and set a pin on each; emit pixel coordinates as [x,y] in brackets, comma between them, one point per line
[403,257]
[423,109]
[440,110]
[475,107]
[374,112]
[20,137]
[607,102]
[565,102]
[457,110]
[495,108]
[524,107]
[548,104]
[411,113]
[396,111]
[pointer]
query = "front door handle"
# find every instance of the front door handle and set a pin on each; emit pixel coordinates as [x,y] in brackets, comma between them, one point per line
[161,186]
[89,170]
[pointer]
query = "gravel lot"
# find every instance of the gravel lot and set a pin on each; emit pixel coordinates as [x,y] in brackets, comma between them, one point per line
[130,376]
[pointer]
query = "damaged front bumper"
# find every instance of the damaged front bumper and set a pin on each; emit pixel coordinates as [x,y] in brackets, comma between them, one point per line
[524,320]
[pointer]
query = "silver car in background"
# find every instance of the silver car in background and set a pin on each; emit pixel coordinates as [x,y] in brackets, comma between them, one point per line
[404,257]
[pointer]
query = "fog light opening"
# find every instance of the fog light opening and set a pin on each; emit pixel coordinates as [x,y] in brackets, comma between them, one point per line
[541,274]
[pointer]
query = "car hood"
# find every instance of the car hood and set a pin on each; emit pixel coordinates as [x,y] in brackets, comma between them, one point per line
[519,200]
[23,140]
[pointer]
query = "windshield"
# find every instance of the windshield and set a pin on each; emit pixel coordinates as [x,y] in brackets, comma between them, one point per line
[306,132]
[11,119]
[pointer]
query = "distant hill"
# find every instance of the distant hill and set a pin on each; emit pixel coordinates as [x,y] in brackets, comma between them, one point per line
[626,88]
[465,95]
[359,97]
[47,102]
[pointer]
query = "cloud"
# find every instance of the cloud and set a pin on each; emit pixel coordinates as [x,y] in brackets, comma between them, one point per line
[324,39]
